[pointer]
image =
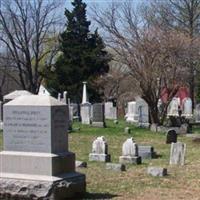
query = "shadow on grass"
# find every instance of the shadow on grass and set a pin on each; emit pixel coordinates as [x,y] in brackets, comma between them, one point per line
[98,196]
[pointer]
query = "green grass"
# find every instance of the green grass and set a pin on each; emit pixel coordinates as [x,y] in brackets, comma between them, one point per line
[183,182]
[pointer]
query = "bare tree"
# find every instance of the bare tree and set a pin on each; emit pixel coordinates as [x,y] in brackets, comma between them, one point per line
[153,56]
[182,15]
[26,28]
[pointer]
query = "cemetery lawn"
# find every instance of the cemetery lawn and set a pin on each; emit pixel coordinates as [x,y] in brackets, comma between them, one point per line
[183,182]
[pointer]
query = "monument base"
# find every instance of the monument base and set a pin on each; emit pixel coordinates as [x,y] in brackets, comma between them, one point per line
[130,159]
[59,188]
[99,157]
[99,124]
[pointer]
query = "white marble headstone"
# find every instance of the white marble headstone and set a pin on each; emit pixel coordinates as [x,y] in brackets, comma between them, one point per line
[99,146]
[177,153]
[129,148]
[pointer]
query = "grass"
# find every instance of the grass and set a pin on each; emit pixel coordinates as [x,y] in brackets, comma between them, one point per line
[183,182]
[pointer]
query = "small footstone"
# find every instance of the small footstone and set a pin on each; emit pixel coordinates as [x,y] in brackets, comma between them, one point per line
[81,164]
[127,130]
[157,171]
[116,122]
[115,166]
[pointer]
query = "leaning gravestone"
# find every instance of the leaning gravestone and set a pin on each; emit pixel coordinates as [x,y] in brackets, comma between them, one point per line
[177,153]
[99,150]
[36,163]
[171,136]
[130,153]
[98,117]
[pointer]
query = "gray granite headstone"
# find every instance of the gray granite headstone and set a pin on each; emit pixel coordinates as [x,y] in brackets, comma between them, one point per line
[36,150]
[146,152]
[177,153]
[98,118]
[99,150]
[157,171]
[130,152]
[1,111]
[171,136]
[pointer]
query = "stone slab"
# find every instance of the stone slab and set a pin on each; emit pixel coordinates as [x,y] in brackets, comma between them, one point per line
[146,152]
[157,171]
[99,157]
[116,166]
[68,186]
[99,124]
[130,159]
[36,163]
[81,164]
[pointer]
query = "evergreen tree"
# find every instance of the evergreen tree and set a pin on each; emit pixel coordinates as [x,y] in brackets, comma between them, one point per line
[83,56]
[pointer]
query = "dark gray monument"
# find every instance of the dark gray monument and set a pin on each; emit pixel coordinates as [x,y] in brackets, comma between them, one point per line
[171,136]
[36,161]
[146,152]
[98,117]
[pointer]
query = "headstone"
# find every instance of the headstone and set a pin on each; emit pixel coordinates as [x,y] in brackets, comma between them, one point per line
[86,113]
[81,164]
[36,157]
[110,111]
[130,153]
[146,152]
[157,171]
[15,94]
[1,115]
[131,116]
[43,91]
[171,136]
[177,153]
[76,111]
[98,117]
[173,108]
[187,108]
[116,166]
[197,113]
[127,130]
[142,111]
[99,150]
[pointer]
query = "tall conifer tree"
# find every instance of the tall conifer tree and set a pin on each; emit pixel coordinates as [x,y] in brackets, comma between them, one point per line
[83,56]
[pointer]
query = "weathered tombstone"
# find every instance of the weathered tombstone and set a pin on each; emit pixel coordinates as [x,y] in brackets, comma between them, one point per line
[110,111]
[157,171]
[116,166]
[1,111]
[146,152]
[43,91]
[86,113]
[171,136]
[36,157]
[177,153]
[99,150]
[197,113]
[187,108]
[142,111]
[1,115]
[131,115]
[98,118]
[127,130]
[76,111]
[130,153]
[173,108]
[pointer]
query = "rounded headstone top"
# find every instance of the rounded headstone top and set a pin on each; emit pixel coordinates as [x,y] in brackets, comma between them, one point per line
[35,100]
